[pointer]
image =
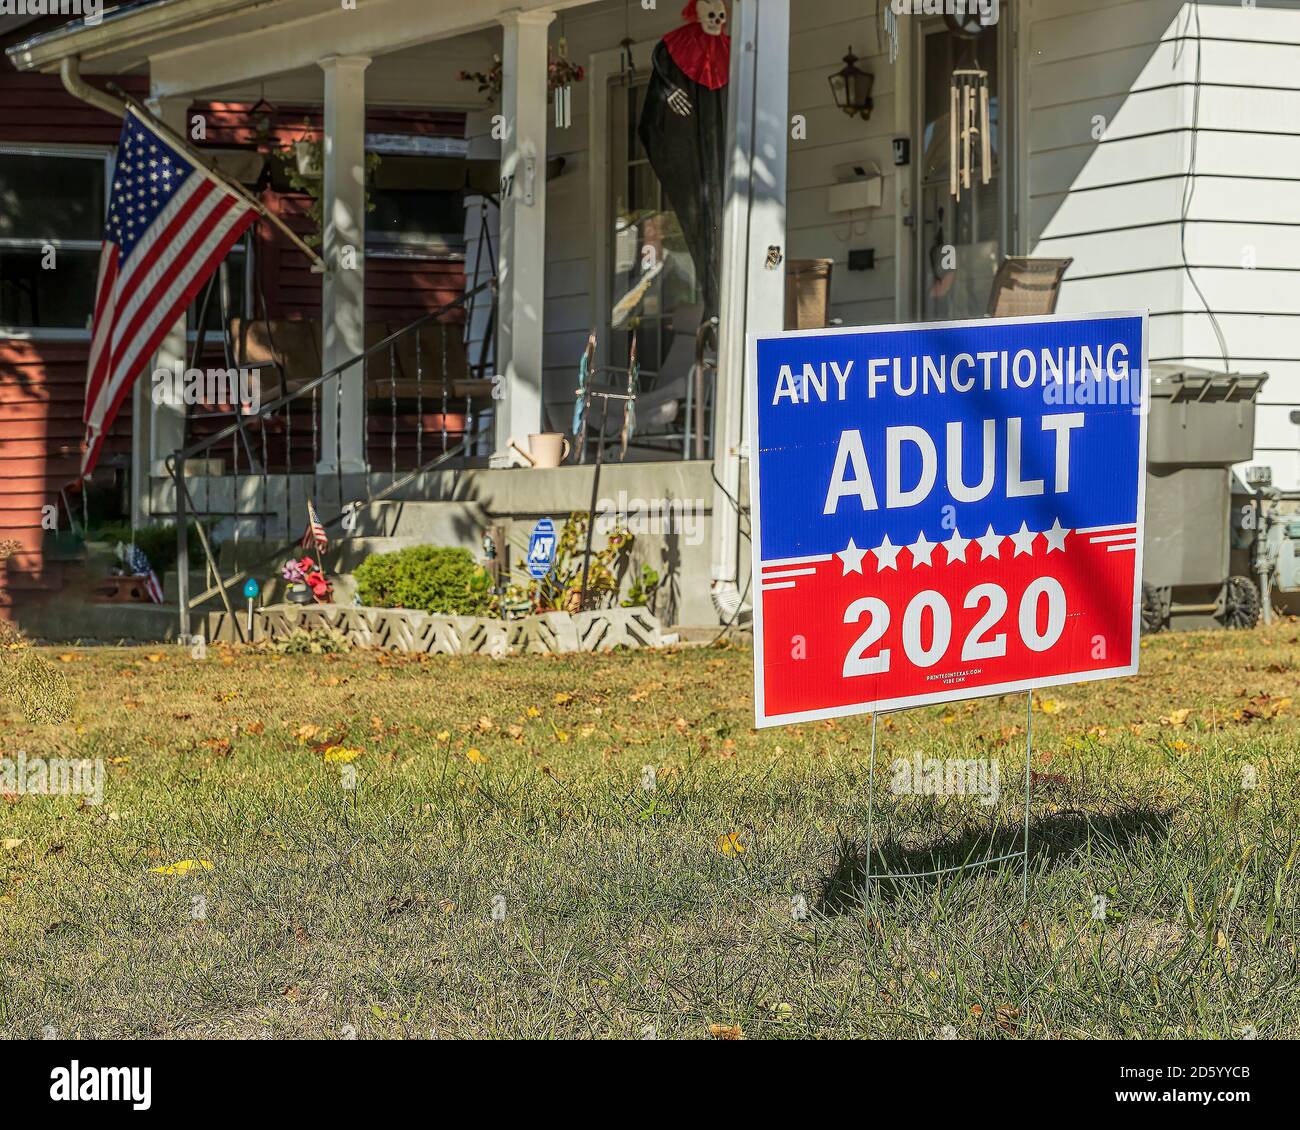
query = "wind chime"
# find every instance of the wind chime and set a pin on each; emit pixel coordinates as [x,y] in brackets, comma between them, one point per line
[564,92]
[969,135]
[891,29]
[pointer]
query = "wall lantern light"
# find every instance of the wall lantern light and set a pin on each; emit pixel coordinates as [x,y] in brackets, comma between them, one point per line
[851,87]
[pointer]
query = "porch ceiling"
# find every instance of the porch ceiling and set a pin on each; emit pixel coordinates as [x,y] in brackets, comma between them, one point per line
[205,46]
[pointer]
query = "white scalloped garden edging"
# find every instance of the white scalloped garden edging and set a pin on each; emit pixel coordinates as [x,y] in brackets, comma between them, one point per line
[400,629]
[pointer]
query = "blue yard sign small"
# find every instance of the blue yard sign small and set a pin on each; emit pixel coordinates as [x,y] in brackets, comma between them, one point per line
[541,549]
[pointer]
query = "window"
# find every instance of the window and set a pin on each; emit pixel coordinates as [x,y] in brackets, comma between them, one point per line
[52,204]
[417,207]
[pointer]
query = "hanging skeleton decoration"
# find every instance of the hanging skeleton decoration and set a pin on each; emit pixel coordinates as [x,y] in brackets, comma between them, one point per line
[969,133]
[684,128]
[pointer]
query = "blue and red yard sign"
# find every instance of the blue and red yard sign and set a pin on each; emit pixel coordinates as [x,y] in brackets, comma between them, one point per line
[943,511]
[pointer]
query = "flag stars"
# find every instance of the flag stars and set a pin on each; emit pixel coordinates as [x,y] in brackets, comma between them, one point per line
[1023,540]
[956,547]
[921,550]
[1056,536]
[886,555]
[852,557]
[989,544]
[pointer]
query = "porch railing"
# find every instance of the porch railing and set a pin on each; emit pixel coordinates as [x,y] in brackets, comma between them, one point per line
[288,430]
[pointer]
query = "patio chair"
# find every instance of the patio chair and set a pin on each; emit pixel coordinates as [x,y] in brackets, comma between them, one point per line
[1026,286]
[669,415]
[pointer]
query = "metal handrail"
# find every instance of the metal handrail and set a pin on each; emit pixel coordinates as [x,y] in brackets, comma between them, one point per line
[175,462]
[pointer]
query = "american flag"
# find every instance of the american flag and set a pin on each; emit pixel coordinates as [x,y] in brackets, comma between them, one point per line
[315,534]
[169,225]
[138,563]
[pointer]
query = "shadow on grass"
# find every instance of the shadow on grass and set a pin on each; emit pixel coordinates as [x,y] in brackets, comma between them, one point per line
[1052,839]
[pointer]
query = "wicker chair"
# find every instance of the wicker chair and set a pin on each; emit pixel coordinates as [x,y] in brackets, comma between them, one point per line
[1026,286]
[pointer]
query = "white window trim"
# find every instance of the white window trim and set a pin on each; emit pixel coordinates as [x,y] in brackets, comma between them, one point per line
[106,153]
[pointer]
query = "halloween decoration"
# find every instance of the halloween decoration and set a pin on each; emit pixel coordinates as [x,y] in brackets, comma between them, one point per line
[970,130]
[683,129]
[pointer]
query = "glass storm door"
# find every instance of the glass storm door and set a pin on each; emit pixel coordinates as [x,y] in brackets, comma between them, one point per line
[960,235]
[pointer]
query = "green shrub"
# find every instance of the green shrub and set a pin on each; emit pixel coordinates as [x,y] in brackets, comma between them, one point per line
[426,577]
[157,542]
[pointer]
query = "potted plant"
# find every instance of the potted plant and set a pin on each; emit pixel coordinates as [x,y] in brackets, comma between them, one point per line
[306,582]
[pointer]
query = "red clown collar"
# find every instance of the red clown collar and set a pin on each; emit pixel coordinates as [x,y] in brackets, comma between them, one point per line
[703,58]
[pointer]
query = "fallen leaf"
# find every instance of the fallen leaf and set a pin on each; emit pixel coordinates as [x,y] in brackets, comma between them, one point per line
[444,735]
[156,657]
[1176,717]
[563,697]
[341,755]
[255,728]
[69,657]
[726,1032]
[729,844]
[477,756]
[11,844]
[184,867]
[290,993]
[306,732]
[484,725]
[533,712]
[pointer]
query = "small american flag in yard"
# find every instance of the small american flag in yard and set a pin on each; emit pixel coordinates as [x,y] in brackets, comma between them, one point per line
[139,565]
[315,534]
[170,223]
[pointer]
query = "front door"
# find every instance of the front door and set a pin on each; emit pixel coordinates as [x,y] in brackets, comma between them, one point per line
[961,235]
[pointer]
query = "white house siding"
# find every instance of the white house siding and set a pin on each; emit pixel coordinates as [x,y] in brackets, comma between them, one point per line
[820,35]
[1117,203]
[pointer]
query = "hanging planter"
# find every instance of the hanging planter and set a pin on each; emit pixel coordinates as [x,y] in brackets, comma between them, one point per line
[561,71]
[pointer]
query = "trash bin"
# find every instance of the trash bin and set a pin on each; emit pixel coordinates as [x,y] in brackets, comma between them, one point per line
[1201,423]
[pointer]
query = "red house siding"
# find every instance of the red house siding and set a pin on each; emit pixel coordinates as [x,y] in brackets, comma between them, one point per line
[42,382]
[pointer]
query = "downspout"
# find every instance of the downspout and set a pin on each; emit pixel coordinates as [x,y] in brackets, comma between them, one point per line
[753,294]
[78,87]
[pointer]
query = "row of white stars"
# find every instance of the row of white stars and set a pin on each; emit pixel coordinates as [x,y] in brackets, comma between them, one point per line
[990,544]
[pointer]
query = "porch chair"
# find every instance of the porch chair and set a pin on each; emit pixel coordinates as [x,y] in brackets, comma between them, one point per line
[669,415]
[1026,286]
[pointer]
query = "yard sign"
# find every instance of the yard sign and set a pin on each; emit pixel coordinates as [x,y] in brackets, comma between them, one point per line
[945,510]
[541,548]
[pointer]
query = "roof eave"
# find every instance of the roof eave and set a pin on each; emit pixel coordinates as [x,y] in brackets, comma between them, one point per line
[116,31]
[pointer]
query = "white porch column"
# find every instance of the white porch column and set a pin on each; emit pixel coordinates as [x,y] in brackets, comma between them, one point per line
[753,290]
[343,246]
[159,429]
[522,263]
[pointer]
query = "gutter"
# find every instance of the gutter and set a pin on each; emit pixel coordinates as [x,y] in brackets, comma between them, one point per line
[123,29]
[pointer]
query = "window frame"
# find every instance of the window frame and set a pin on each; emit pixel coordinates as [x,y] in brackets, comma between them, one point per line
[108,155]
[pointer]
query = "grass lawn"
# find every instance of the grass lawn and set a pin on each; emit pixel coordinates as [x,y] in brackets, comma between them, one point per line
[497,866]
